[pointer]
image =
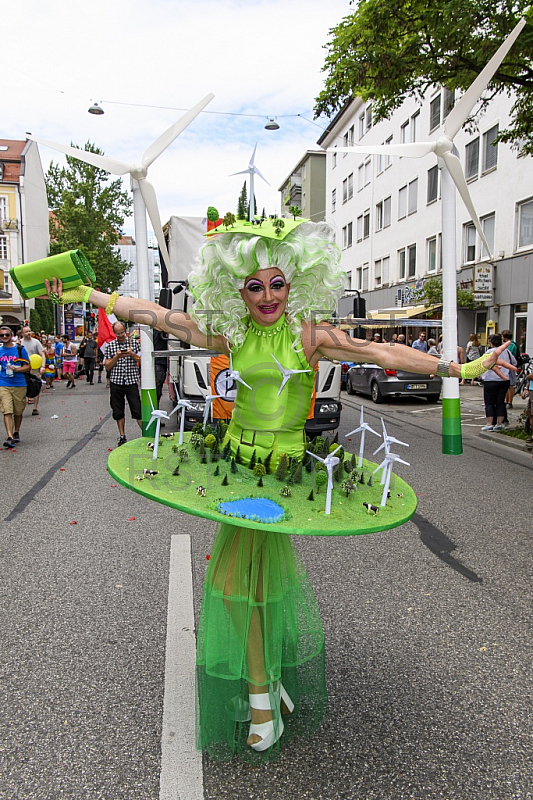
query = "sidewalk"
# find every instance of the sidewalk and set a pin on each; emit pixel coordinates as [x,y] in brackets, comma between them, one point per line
[474,394]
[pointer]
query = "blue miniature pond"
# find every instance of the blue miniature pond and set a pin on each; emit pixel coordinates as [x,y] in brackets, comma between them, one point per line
[258,509]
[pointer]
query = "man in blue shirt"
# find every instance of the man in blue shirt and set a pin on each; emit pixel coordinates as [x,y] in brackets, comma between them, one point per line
[12,384]
[420,343]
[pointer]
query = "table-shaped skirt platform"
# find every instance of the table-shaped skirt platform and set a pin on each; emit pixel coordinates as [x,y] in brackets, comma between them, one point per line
[212,490]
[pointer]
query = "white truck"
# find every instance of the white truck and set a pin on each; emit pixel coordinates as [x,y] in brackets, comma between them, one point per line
[190,368]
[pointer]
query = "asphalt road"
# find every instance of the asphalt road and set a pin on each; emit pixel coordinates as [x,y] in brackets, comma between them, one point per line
[428,627]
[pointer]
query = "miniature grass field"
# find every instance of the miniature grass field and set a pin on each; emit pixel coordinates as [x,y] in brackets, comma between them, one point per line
[302,516]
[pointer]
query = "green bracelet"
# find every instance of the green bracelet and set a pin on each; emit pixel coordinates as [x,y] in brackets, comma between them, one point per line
[79,294]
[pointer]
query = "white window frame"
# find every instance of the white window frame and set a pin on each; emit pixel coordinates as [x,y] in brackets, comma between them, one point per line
[377,273]
[379,216]
[402,202]
[333,200]
[412,197]
[527,245]
[429,246]
[359,228]
[388,157]
[402,264]
[410,250]
[434,171]
[486,222]
[469,148]
[434,100]
[415,127]
[366,223]
[469,231]
[4,207]
[489,149]
[4,248]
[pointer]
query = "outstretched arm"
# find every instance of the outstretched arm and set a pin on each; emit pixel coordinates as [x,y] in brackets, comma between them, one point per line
[143,312]
[330,342]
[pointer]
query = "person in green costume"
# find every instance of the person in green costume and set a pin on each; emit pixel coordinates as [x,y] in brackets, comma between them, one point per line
[262,296]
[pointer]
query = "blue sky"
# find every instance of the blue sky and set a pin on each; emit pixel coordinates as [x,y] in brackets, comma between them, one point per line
[261,57]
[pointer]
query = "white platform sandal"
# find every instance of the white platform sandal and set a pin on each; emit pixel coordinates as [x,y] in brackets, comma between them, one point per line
[261,702]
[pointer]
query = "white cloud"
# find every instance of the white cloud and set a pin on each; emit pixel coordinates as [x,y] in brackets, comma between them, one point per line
[262,57]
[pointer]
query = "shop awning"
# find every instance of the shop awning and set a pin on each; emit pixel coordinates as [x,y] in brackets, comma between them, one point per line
[403,312]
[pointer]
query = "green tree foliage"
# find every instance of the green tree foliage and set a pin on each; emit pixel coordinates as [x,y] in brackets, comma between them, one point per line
[320,479]
[388,50]
[431,295]
[88,213]
[282,468]
[229,220]
[295,211]
[212,214]
[242,203]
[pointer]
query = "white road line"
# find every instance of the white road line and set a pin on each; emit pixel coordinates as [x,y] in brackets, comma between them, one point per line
[181,763]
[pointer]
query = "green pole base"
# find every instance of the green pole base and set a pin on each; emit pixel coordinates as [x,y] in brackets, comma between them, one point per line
[146,408]
[452,440]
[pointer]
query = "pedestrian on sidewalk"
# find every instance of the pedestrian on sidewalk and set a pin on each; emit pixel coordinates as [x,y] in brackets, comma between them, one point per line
[50,368]
[495,385]
[89,357]
[507,336]
[69,361]
[472,351]
[58,346]
[123,357]
[34,346]
[12,384]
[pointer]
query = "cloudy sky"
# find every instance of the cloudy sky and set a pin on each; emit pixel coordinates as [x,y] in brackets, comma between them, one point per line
[259,57]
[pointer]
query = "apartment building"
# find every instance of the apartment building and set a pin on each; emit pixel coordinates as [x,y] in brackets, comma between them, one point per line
[305,187]
[23,221]
[387,211]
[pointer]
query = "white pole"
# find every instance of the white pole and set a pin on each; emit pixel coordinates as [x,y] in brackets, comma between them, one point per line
[451,410]
[143,283]
[251,204]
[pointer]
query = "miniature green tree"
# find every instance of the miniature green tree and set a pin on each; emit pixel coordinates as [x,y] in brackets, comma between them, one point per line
[278,226]
[268,459]
[311,495]
[225,481]
[347,487]
[210,440]
[297,472]
[226,452]
[177,470]
[253,460]
[259,470]
[216,473]
[198,428]
[320,480]
[295,211]
[229,220]
[281,471]
[212,214]
[233,467]
[369,482]
[285,491]
[260,481]
[183,453]
[238,456]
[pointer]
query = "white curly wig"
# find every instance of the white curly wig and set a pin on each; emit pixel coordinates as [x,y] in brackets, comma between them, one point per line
[308,258]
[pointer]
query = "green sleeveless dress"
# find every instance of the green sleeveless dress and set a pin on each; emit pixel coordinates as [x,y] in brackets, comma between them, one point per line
[259,620]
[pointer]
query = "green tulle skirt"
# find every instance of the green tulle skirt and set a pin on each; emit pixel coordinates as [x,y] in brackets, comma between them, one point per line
[259,624]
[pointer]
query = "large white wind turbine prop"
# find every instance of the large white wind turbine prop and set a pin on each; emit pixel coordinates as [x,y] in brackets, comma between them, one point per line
[362,429]
[388,440]
[386,467]
[251,171]
[443,146]
[287,373]
[330,461]
[183,404]
[452,174]
[137,171]
[144,200]
[157,415]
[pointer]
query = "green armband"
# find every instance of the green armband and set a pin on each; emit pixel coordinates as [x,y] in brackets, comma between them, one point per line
[80,294]
[473,369]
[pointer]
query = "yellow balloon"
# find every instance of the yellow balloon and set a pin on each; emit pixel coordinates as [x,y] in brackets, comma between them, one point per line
[36,361]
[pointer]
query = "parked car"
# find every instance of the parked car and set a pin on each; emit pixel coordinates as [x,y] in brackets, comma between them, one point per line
[381,383]
[345,366]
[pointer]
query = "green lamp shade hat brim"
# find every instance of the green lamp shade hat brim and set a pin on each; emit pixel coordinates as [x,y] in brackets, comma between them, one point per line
[267,228]
[71,267]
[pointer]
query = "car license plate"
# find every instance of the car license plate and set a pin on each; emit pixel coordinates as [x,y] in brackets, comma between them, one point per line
[416,386]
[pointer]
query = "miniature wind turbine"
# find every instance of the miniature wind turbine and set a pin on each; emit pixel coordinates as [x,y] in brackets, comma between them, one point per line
[157,415]
[330,462]
[144,200]
[287,373]
[251,171]
[235,375]
[443,148]
[387,441]
[386,467]
[183,404]
[362,429]
[208,403]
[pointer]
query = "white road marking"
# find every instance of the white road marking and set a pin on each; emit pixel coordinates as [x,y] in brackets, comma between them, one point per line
[181,764]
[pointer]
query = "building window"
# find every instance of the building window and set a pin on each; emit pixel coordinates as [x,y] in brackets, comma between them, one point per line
[379,216]
[412,196]
[415,127]
[366,224]
[411,261]
[472,159]
[388,158]
[488,224]
[345,190]
[490,149]
[3,209]
[334,160]
[304,171]
[349,279]
[368,171]
[347,235]
[448,102]
[469,237]
[359,278]
[433,184]
[359,228]
[351,138]
[402,202]
[525,224]
[333,200]
[404,132]
[3,248]
[360,177]
[387,212]
[303,201]
[350,186]
[377,273]
[401,264]
[385,269]
[361,125]
[432,254]
[434,113]
[364,287]
[368,117]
